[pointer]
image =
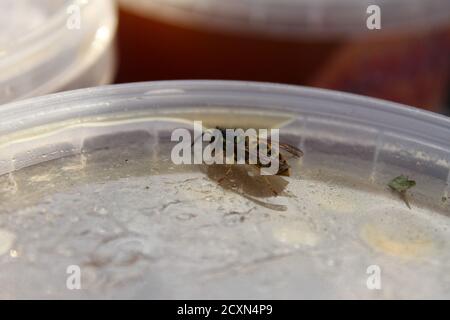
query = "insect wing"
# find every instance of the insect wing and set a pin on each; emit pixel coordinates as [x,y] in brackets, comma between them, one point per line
[296,152]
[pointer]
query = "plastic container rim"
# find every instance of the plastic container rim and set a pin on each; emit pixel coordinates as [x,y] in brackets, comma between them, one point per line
[380,114]
[317,19]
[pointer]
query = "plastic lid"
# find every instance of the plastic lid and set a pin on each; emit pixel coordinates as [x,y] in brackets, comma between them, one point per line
[43,48]
[297,17]
[405,125]
[114,204]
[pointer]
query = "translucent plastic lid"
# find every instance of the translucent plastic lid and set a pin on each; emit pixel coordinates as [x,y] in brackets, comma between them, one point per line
[87,180]
[22,17]
[46,44]
[417,133]
[297,17]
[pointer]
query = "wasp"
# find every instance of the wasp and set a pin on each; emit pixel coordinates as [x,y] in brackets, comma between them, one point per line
[263,159]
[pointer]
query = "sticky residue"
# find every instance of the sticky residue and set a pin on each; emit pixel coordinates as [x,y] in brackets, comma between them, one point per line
[399,244]
[42,178]
[296,234]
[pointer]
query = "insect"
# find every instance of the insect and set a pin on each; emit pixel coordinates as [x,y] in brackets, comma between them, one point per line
[263,160]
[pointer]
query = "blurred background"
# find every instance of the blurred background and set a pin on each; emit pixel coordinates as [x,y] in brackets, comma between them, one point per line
[50,45]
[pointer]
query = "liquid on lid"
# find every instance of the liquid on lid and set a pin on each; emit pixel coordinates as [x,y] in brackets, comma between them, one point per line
[139,226]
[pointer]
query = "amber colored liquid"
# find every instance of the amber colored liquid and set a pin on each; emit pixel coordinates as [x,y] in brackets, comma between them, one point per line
[155,50]
[406,69]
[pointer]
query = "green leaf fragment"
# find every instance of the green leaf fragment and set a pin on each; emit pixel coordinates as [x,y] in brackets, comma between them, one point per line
[401,184]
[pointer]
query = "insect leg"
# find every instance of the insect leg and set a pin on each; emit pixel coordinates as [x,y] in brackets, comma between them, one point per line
[226,174]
